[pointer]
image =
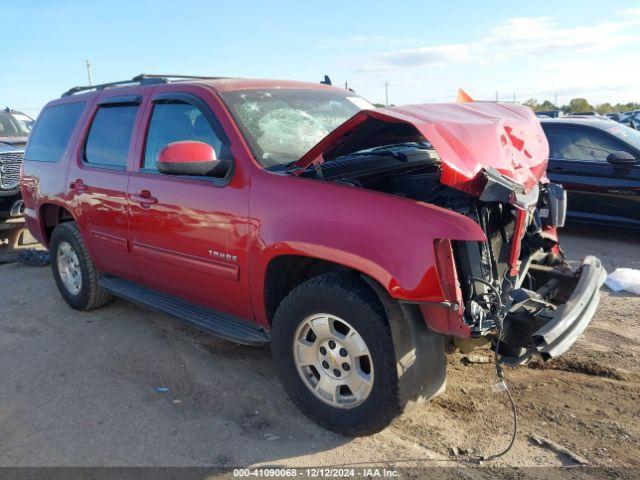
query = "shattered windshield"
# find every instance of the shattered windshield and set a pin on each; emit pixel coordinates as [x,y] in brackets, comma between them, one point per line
[281,125]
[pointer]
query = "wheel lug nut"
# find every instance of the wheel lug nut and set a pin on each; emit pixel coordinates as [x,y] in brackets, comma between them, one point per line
[336,372]
[346,367]
[343,352]
[332,344]
[325,364]
[323,350]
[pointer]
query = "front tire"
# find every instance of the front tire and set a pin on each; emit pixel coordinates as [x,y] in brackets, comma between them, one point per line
[74,272]
[334,354]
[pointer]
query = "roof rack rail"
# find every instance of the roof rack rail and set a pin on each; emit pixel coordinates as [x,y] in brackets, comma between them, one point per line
[142,79]
[169,77]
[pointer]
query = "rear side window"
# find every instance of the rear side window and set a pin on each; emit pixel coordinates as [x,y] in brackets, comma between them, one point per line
[110,136]
[52,131]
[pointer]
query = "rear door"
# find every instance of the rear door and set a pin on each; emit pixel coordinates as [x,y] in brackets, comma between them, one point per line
[97,180]
[597,190]
[189,235]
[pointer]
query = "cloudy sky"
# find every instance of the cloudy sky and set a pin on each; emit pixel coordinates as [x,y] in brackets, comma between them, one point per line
[425,50]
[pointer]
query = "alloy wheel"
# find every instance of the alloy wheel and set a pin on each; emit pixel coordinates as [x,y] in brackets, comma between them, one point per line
[333,360]
[69,268]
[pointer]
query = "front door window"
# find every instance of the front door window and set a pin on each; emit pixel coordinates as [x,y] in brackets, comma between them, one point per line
[176,121]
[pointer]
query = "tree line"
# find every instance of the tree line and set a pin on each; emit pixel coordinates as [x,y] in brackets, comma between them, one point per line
[577,105]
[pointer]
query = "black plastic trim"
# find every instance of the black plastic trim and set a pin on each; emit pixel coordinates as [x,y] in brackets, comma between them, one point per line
[220,324]
[121,100]
[571,318]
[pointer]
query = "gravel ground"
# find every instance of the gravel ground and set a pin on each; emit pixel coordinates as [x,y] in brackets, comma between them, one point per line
[81,389]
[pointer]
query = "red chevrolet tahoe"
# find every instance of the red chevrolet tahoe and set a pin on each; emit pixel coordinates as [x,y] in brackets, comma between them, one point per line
[361,243]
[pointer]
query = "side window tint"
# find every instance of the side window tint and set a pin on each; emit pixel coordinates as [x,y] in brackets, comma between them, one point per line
[175,121]
[110,135]
[52,131]
[581,144]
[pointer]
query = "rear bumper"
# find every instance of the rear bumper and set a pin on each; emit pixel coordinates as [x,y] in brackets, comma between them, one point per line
[571,318]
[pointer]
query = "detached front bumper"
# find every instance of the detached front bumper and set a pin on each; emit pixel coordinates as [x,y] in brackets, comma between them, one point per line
[571,318]
[548,321]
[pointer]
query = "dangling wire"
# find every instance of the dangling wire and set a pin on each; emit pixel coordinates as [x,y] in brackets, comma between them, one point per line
[502,386]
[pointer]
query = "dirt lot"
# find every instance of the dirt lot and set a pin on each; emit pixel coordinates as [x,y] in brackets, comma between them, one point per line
[80,389]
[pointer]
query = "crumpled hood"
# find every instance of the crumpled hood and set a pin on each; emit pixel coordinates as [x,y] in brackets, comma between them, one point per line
[469,138]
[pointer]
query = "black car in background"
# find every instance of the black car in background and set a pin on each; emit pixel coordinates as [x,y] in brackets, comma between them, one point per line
[15,127]
[598,163]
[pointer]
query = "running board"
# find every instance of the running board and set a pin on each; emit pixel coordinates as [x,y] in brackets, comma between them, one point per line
[220,324]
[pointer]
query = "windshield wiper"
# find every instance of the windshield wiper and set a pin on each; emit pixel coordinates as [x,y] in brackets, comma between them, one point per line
[9,143]
[381,151]
[418,145]
[390,150]
[371,153]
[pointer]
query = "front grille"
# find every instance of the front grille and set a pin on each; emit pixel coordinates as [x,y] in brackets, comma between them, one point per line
[10,169]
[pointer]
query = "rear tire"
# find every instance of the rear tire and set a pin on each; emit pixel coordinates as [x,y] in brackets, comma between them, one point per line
[74,272]
[345,303]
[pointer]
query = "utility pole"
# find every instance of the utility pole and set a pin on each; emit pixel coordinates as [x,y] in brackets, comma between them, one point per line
[514,98]
[89,71]
[555,96]
[496,95]
[386,93]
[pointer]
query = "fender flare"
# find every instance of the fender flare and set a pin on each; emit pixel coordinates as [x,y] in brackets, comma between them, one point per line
[36,221]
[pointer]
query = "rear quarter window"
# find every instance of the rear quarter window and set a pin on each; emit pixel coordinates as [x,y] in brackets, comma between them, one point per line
[52,131]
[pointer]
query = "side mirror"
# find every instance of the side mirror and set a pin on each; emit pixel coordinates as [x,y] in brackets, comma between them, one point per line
[621,159]
[189,157]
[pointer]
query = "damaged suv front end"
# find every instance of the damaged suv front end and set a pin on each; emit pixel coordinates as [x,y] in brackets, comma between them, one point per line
[515,287]
[486,161]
